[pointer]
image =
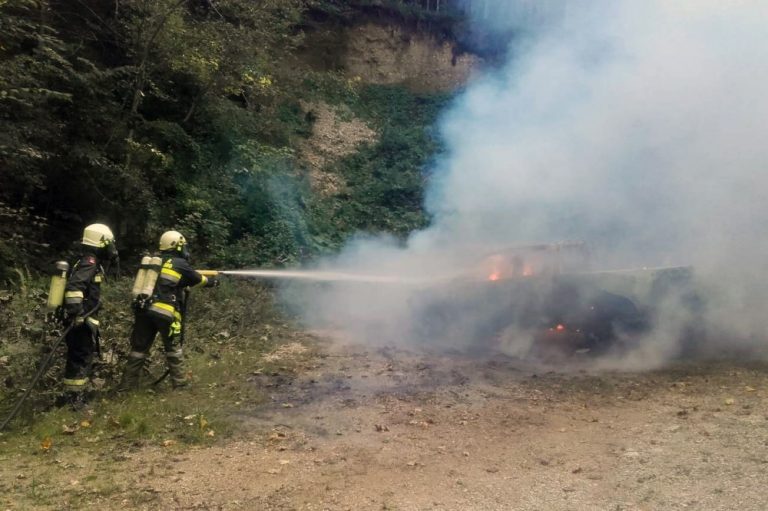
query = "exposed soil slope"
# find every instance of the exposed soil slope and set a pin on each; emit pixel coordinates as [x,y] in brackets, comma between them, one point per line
[391,54]
[332,138]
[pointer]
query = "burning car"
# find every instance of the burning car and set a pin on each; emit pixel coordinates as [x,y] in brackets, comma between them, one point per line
[550,294]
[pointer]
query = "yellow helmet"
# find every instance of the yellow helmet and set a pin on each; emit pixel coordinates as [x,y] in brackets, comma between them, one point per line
[98,235]
[172,240]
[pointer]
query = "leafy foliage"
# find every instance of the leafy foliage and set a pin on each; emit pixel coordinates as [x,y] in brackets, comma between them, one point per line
[157,114]
[386,179]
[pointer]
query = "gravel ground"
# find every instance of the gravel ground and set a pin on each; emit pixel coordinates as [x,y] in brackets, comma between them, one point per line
[392,429]
[363,429]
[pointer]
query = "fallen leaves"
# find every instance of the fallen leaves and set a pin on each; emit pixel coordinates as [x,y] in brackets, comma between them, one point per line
[46,444]
[70,429]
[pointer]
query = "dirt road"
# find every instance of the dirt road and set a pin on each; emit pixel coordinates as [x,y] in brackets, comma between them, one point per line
[361,428]
[356,428]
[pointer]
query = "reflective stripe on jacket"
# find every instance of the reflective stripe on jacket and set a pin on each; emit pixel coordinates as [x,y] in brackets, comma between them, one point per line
[176,274]
[83,289]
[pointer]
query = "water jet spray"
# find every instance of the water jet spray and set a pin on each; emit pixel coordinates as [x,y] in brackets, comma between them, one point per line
[315,276]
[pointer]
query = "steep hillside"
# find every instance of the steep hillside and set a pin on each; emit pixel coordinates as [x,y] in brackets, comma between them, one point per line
[336,133]
[267,132]
[391,53]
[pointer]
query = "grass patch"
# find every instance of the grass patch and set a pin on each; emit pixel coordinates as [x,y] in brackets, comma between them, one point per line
[56,458]
[230,329]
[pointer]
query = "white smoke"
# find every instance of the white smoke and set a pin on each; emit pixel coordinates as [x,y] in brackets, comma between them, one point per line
[637,126]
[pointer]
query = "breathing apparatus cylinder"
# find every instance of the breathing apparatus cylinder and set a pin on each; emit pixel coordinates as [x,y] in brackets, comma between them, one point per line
[150,279]
[58,283]
[138,284]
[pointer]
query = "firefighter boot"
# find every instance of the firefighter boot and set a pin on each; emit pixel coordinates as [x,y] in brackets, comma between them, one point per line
[176,368]
[135,368]
[75,400]
[78,401]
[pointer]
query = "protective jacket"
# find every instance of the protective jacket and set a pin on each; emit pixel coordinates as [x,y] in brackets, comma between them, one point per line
[176,274]
[82,295]
[164,315]
[83,290]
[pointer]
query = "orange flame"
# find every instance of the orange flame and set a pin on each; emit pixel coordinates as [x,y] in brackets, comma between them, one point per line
[494,276]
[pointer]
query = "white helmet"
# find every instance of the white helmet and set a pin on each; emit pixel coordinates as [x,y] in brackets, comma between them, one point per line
[172,240]
[98,235]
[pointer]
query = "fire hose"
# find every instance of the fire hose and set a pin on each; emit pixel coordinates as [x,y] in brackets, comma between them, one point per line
[43,368]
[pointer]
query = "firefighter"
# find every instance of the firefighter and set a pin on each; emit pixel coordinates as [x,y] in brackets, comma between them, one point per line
[82,299]
[164,312]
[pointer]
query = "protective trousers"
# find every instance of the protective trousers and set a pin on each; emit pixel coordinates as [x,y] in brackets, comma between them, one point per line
[145,329]
[81,345]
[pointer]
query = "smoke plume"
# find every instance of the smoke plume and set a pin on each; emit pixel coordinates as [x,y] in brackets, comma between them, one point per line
[636,126]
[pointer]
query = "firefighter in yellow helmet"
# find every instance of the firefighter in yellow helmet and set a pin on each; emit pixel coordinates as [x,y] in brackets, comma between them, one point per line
[82,298]
[164,313]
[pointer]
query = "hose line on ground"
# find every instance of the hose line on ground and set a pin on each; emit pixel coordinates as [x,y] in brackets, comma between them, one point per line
[41,370]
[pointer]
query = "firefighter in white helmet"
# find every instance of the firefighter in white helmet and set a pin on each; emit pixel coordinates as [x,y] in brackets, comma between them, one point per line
[82,298]
[164,313]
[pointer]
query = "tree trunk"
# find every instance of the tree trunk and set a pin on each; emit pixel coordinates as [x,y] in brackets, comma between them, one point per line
[192,108]
[141,75]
